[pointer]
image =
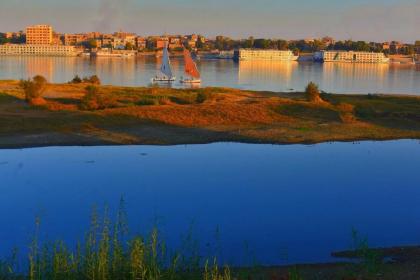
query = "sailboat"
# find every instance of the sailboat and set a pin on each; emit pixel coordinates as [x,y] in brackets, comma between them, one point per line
[165,69]
[193,75]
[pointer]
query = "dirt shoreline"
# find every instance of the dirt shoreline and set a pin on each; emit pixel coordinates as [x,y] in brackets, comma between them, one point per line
[163,116]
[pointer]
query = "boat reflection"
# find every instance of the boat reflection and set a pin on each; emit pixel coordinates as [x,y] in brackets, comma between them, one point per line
[254,72]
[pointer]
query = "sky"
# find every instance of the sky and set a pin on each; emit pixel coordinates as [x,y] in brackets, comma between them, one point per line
[370,20]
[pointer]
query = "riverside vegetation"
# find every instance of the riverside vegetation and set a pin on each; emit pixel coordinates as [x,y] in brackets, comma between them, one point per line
[110,251]
[84,112]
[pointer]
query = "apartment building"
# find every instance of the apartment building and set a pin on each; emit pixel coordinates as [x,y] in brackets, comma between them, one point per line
[39,35]
[74,39]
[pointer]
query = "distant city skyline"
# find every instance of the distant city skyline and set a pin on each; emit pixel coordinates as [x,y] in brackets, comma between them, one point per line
[369,20]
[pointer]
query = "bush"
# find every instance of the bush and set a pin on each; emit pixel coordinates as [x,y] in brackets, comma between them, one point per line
[91,100]
[95,100]
[312,92]
[147,102]
[202,97]
[346,111]
[76,80]
[92,80]
[34,88]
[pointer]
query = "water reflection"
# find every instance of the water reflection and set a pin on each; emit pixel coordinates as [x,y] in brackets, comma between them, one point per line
[254,75]
[351,75]
[265,71]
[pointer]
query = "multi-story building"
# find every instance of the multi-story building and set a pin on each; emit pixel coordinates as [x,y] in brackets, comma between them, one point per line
[93,35]
[74,39]
[117,43]
[350,56]
[122,35]
[39,35]
[161,42]
[395,47]
[45,50]
[141,43]
[257,54]
[175,42]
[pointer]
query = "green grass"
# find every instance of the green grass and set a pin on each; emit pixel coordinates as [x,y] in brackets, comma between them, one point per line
[108,253]
[309,112]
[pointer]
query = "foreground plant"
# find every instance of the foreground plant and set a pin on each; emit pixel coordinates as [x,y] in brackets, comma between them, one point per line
[107,253]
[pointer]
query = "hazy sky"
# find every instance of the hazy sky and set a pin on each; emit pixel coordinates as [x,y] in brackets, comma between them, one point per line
[379,20]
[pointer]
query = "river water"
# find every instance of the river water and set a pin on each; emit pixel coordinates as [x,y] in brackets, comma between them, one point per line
[253,75]
[285,204]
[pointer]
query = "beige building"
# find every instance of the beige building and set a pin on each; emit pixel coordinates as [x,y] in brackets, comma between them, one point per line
[39,35]
[41,50]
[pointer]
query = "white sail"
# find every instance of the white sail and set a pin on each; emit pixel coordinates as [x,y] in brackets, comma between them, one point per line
[166,68]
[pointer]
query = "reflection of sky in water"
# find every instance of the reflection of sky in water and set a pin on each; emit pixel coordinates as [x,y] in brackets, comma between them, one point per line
[299,200]
[255,75]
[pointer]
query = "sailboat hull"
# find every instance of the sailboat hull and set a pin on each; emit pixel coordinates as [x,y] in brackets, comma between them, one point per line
[163,80]
[190,81]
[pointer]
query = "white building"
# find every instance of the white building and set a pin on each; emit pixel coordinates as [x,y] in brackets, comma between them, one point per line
[42,50]
[256,54]
[350,56]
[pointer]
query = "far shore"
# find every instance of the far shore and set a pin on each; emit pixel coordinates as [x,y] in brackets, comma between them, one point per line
[163,116]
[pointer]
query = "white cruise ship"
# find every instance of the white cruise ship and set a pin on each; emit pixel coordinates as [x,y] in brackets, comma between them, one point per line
[257,54]
[350,56]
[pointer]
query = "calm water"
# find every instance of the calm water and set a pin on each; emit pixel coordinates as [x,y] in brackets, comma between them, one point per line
[288,203]
[274,76]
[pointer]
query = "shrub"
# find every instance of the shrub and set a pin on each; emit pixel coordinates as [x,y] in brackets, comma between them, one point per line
[91,99]
[92,80]
[95,80]
[312,92]
[147,102]
[202,97]
[346,111]
[34,88]
[164,100]
[76,80]
[95,100]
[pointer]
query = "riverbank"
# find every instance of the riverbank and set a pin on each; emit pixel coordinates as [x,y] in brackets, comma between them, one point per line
[162,116]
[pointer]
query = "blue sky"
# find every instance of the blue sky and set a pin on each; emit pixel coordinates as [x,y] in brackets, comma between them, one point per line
[356,19]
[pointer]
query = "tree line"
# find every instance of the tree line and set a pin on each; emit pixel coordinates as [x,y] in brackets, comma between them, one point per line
[302,46]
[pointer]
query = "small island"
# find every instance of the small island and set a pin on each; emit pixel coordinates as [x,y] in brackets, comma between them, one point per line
[83,112]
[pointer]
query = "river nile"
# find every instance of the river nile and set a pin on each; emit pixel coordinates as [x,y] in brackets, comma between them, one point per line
[284,204]
[253,75]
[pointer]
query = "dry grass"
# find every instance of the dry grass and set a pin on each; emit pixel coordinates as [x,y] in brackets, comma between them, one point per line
[173,116]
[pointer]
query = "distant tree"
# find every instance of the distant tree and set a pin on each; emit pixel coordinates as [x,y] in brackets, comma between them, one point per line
[249,43]
[262,43]
[200,45]
[76,80]
[282,45]
[92,80]
[129,46]
[91,44]
[312,92]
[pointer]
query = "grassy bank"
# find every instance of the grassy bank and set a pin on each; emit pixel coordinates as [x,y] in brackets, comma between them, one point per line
[164,116]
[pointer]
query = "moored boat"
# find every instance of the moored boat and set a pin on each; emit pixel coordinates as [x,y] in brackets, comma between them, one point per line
[193,75]
[165,69]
